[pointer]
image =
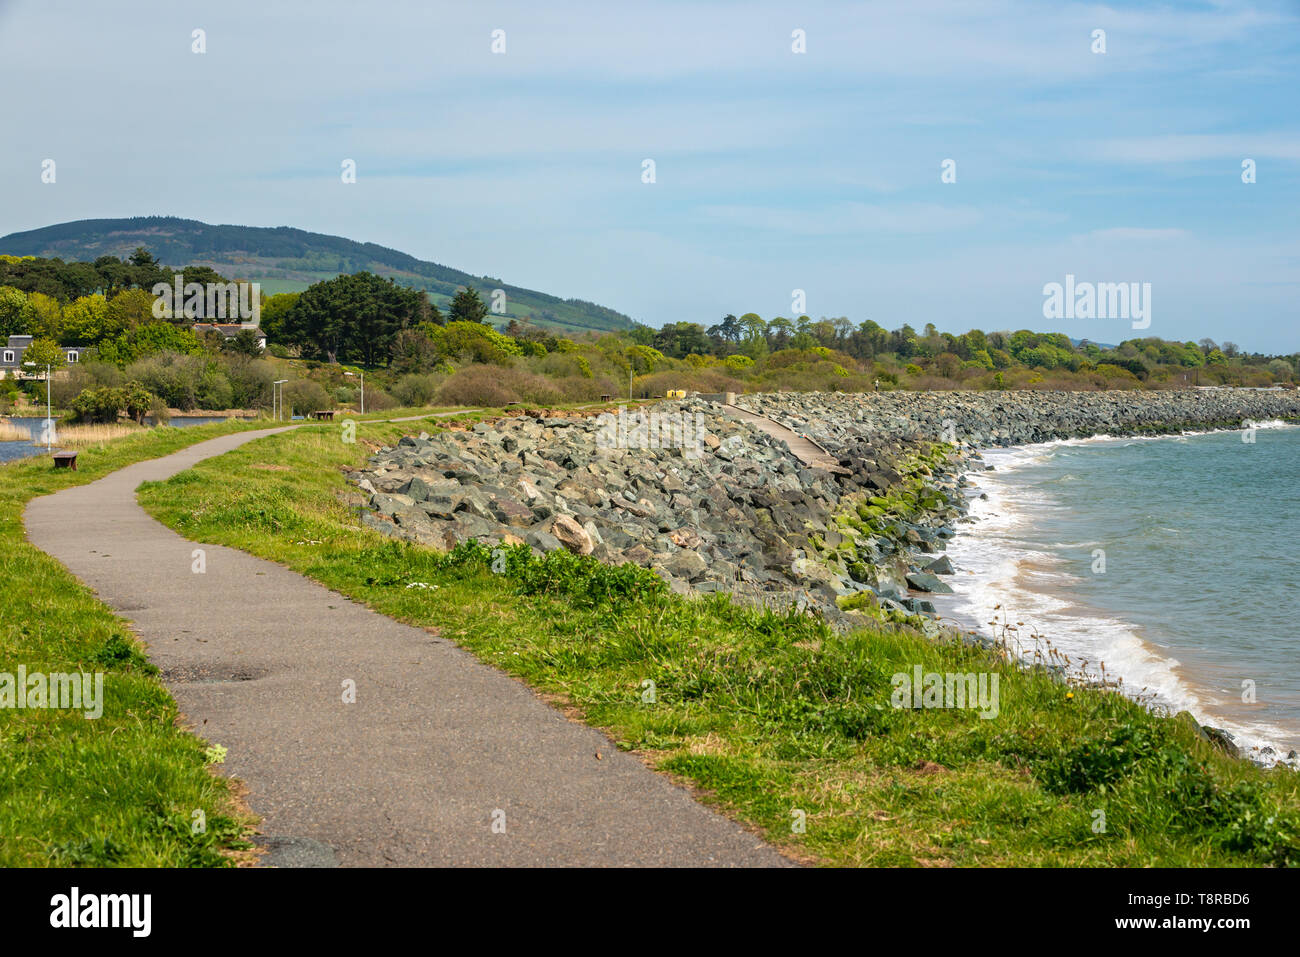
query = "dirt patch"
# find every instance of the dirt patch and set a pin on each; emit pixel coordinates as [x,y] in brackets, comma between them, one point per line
[929,767]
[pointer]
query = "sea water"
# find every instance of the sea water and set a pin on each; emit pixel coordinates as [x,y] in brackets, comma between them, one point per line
[1171,560]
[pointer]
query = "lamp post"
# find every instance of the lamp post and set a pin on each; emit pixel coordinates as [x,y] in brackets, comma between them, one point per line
[49,411]
[362,373]
[277,410]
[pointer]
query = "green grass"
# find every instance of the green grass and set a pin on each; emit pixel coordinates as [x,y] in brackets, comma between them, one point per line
[120,789]
[769,714]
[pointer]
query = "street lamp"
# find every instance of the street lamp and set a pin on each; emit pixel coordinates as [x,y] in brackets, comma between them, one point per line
[277,410]
[362,373]
[49,412]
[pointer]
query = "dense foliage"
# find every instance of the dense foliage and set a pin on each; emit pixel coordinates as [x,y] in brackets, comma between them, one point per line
[414,355]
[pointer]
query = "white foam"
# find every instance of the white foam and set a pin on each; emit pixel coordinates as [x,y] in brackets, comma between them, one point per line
[997,569]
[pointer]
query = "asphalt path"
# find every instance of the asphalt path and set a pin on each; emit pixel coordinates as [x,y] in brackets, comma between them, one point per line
[440,761]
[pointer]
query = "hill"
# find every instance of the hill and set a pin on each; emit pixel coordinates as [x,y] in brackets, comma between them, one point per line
[284,259]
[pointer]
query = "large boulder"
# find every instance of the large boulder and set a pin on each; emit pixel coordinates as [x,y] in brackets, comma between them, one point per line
[924,581]
[572,535]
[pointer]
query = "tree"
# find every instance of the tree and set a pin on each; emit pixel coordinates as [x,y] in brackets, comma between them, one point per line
[144,271]
[274,310]
[147,340]
[16,312]
[475,341]
[413,351]
[781,331]
[88,320]
[466,306]
[48,320]
[98,405]
[679,339]
[129,309]
[728,330]
[353,318]
[245,342]
[45,352]
[642,335]
[643,359]
[136,400]
[755,344]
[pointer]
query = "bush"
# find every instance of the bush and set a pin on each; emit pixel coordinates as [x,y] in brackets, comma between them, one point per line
[159,411]
[490,386]
[477,386]
[471,340]
[106,404]
[302,396]
[98,405]
[702,380]
[148,340]
[250,383]
[214,391]
[377,400]
[173,378]
[416,389]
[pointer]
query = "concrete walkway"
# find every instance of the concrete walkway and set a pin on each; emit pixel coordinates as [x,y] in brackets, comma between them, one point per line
[436,745]
[804,449]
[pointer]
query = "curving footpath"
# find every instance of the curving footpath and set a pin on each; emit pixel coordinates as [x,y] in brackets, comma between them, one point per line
[436,745]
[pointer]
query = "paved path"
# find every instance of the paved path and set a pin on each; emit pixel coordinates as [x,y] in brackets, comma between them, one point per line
[804,448]
[436,742]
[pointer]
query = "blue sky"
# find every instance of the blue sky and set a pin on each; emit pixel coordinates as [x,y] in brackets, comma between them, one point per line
[775,171]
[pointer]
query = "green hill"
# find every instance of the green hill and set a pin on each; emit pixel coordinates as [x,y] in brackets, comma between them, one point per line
[284,259]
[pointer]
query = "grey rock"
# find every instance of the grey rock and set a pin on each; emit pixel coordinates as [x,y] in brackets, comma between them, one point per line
[924,581]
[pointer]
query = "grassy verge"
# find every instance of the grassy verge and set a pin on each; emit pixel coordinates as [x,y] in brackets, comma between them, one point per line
[771,715]
[121,789]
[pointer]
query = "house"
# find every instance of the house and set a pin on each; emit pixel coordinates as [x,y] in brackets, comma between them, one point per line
[11,358]
[229,330]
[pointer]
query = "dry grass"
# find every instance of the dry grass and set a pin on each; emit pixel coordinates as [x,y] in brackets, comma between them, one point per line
[12,433]
[81,435]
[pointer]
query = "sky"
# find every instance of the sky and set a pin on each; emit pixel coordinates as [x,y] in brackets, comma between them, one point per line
[774,170]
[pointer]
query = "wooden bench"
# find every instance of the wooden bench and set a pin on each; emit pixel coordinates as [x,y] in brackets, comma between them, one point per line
[605,398]
[323,415]
[65,460]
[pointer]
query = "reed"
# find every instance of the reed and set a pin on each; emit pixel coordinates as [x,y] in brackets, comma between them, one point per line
[13,433]
[81,435]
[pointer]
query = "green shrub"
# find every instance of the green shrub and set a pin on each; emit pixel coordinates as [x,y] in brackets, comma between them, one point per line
[214,390]
[302,397]
[417,389]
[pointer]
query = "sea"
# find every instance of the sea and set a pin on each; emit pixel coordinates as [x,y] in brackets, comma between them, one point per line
[1166,565]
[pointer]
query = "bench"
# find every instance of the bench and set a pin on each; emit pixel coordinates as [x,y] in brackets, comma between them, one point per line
[323,414]
[65,460]
[605,398]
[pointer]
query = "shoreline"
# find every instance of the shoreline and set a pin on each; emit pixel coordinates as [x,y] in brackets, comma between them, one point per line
[1035,589]
[978,425]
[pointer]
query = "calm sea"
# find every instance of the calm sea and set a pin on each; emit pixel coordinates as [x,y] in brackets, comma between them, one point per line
[1171,560]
